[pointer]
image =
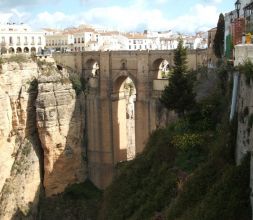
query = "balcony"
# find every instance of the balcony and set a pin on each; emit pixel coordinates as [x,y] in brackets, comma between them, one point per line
[18,44]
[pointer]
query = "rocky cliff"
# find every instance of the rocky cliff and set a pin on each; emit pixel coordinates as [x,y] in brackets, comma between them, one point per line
[60,122]
[41,135]
[20,173]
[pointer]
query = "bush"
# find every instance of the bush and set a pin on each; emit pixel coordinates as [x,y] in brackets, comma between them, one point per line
[18,58]
[225,198]
[78,83]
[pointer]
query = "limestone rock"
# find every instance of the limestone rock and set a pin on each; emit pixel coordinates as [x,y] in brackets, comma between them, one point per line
[19,147]
[60,123]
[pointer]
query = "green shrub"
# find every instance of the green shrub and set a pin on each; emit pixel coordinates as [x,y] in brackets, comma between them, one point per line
[79,84]
[79,201]
[18,58]
[225,198]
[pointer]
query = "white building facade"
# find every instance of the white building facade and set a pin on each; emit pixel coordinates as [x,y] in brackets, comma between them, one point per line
[86,38]
[20,39]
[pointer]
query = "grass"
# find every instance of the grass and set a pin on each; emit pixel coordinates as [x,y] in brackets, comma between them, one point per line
[79,201]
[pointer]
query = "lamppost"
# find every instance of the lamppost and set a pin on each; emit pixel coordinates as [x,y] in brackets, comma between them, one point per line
[238,7]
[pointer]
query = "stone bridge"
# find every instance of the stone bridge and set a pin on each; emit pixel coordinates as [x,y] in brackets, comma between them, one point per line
[106,120]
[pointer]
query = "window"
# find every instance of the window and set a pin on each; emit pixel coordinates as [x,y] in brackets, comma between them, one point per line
[129,47]
[82,40]
[75,40]
[32,40]
[79,40]
[3,39]
[39,40]
[10,40]
[18,40]
[134,41]
[26,42]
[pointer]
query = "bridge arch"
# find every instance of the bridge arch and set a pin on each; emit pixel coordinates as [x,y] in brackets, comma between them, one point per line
[91,68]
[123,116]
[161,68]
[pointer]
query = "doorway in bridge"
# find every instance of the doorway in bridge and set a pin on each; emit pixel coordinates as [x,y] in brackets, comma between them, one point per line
[123,110]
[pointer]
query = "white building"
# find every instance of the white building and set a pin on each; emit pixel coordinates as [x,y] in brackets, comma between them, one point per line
[87,38]
[20,38]
[113,40]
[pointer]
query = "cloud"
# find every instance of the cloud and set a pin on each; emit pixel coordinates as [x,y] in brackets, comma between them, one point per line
[14,15]
[135,17]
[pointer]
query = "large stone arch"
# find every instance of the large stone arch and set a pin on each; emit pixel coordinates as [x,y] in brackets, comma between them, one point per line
[123,116]
[114,67]
[120,77]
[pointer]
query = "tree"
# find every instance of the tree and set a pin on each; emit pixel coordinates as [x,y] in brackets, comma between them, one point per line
[218,42]
[179,95]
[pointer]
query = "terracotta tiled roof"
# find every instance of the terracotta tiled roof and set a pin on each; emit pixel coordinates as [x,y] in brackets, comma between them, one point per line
[136,36]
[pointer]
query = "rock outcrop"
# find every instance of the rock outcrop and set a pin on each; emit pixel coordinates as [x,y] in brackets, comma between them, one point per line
[20,173]
[41,135]
[60,122]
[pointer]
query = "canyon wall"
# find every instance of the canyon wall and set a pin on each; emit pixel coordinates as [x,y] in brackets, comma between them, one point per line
[20,161]
[60,122]
[41,135]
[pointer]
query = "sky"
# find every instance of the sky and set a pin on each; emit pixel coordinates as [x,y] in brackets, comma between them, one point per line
[184,16]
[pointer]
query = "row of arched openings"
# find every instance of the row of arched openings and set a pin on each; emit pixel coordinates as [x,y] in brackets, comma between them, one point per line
[19,50]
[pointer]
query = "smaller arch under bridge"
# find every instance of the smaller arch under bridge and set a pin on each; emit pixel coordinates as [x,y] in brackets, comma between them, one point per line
[108,120]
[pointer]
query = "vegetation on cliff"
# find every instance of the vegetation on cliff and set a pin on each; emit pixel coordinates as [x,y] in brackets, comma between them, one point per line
[187,170]
[179,95]
[79,201]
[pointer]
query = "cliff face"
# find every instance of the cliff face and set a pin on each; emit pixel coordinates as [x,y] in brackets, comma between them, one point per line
[20,173]
[245,124]
[60,122]
[41,135]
